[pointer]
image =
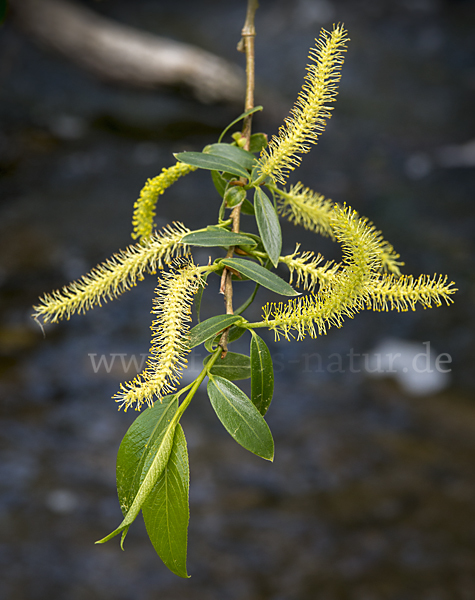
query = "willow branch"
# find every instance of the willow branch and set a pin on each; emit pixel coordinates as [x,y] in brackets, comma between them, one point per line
[246,45]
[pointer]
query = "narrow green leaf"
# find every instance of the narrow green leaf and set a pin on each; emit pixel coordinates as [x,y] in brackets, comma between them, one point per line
[166,510]
[260,275]
[217,238]
[219,182]
[247,302]
[233,366]
[240,417]
[262,374]
[268,225]
[237,155]
[211,162]
[199,296]
[142,457]
[234,334]
[241,116]
[211,327]
[247,208]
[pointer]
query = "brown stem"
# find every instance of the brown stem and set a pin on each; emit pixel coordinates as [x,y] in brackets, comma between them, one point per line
[246,44]
[248,34]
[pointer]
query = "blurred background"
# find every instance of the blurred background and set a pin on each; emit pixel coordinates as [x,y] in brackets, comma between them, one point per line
[372,493]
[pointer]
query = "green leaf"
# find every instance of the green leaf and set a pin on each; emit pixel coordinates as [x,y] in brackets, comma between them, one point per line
[247,208]
[234,195]
[211,327]
[219,182]
[262,374]
[233,366]
[240,417]
[234,334]
[237,155]
[211,162]
[142,457]
[166,511]
[199,296]
[247,302]
[266,278]
[268,225]
[241,116]
[258,142]
[217,237]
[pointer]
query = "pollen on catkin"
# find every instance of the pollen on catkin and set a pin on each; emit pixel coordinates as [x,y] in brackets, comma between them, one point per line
[307,119]
[114,276]
[169,343]
[144,207]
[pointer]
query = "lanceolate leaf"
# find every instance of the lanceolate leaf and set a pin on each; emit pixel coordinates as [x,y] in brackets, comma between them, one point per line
[234,334]
[166,510]
[247,208]
[219,182]
[199,296]
[217,237]
[233,366]
[269,226]
[238,155]
[266,278]
[202,160]
[241,116]
[262,374]
[240,417]
[142,457]
[211,327]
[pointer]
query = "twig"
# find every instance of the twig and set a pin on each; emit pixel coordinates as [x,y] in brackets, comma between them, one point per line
[246,45]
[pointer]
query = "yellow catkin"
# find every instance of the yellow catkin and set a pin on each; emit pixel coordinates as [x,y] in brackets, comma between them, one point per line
[383,292]
[303,206]
[403,293]
[169,344]
[144,207]
[306,270]
[113,277]
[344,296]
[308,117]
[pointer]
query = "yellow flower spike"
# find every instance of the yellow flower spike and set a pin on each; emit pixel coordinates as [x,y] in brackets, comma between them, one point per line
[144,207]
[113,277]
[355,285]
[169,344]
[344,295]
[307,271]
[303,206]
[403,293]
[307,118]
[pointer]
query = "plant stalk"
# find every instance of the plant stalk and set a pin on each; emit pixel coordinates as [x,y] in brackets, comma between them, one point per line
[246,45]
[196,384]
